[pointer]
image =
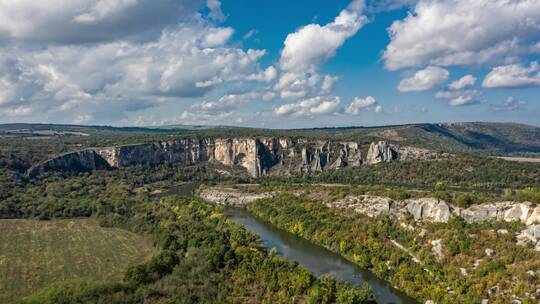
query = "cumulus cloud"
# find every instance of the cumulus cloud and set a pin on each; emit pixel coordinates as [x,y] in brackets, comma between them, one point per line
[297,85]
[513,76]
[225,103]
[424,80]
[215,10]
[460,97]
[328,83]
[313,44]
[84,21]
[463,83]
[508,105]
[360,104]
[464,32]
[217,37]
[266,76]
[121,75]
[318,105]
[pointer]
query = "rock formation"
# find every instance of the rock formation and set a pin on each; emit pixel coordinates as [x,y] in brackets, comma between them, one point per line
[232,197]
[380,152]
[420,209]
[429,209]
[257,155]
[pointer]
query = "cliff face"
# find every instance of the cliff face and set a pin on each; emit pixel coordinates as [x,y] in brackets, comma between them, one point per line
[257,155]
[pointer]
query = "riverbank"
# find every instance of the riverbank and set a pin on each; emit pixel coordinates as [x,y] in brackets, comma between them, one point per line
[318,260]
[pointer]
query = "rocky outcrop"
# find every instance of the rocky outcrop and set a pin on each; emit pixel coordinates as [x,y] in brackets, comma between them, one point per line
[435,210]
[499,211]
[430,209]
[370,205]
[257,155]
[530,235]
[382,151]
[81,161]
[232,197]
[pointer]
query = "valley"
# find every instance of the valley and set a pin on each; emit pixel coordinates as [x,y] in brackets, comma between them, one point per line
[394,221]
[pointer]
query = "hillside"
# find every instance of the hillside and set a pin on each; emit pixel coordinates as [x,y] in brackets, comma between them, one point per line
[473,137]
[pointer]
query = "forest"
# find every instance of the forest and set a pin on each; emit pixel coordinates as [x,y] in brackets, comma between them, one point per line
[203,257]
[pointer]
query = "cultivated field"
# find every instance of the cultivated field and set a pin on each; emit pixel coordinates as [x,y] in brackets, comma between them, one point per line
[36,253]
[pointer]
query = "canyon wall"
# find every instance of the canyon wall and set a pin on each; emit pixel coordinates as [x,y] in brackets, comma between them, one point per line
[257,155]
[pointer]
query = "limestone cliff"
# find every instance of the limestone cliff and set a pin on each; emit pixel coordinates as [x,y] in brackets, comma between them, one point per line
[257,155]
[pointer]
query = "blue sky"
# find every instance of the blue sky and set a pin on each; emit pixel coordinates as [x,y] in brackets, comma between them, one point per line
[278,64]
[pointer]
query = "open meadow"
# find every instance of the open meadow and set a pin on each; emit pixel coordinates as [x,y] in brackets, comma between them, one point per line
[34,254]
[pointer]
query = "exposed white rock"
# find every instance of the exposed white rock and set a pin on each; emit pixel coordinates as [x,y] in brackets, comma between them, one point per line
[369,205]
[428,209]
[380,152]
[534,218]
[233,197]
[530,235]
[499,211]
[516,212]
[489,252]
[437,249]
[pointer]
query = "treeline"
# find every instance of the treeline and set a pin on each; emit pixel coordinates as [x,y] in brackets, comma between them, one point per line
[466,172]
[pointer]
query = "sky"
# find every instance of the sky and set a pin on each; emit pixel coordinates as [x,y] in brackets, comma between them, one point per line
[271,64]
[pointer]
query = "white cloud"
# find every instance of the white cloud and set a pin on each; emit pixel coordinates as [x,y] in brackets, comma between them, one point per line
[120,76]
[464,32]
[423,80]
[216,13]
[359,104]
[510,104]
[513,76]
[103,9]
[250,34]
[217,37]
[463,83]
[296,85]
[83,21]
[226,103]
[313,44]
[264,76]
[328,83]
[318,105]
[460,97]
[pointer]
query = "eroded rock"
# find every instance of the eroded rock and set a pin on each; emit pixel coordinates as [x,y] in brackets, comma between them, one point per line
[257,155]
[232,197]
[429,209]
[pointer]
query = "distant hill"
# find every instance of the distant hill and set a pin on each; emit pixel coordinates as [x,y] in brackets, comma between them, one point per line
[489,138]
[475,137]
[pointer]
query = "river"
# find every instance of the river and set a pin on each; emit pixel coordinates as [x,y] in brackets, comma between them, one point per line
[318,260]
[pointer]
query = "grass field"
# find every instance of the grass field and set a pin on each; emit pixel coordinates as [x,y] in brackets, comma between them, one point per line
[36,253]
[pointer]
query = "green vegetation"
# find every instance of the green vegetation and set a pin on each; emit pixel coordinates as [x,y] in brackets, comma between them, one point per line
[201,257]
[35,253]
[371,243]
[204,258]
